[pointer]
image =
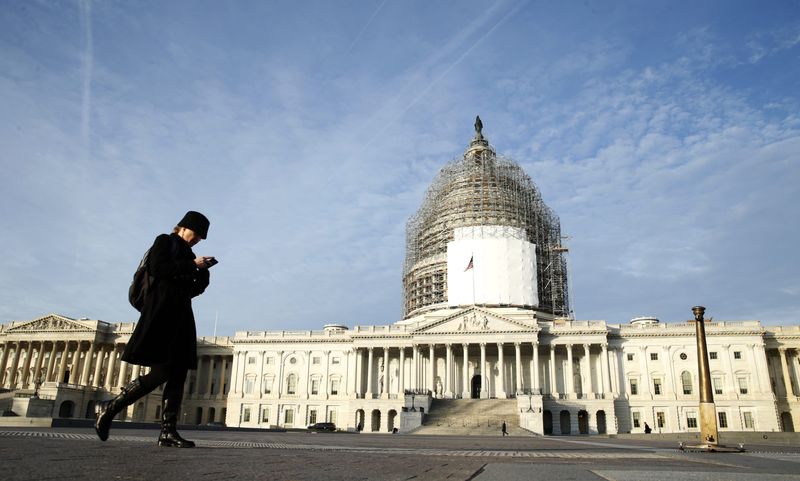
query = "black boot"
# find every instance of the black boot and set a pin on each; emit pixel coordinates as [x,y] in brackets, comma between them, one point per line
[169,436]
[127,396]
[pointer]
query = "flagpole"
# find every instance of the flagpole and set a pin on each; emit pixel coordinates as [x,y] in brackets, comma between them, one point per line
[472,260]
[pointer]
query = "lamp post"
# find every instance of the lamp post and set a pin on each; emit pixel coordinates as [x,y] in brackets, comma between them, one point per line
[709,436]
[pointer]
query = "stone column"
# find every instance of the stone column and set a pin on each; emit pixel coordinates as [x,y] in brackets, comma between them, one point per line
[63,365]
[502,368]
[235,366]
[669,374]
[606,388]
[570,377]
[448,390]
[432,370]
[327,380]
[518,368]
[222,373]
[3,361]
[51,362]
[101,352]
[259,381]
[112,363]
[74,378]
[465,391]
[37,368]
[535,381]
[26,365]
[210,376]
[759,356]
[123,371]
[587,372]
[401,382]
[280,375]
[12,375]
[357,367]
[730,384]
[414,368]
[553,385]
[646,386]
[307,383]
[368,395]
[87,364]
[787,379]
[347,374]
[484,377]
[385,390]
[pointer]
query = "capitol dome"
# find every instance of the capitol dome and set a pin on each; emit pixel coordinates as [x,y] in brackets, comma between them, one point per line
[484,197]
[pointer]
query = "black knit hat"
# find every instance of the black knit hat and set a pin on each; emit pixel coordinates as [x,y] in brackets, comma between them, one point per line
[197,222]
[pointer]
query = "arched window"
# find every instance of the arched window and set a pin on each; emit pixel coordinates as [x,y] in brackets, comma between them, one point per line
[686,379]
[268,384]
[249,383]
[291,384]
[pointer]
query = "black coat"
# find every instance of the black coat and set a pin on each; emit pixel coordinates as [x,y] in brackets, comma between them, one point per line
[166,333]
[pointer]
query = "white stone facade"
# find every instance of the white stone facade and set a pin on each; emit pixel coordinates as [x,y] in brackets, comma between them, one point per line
[569,377]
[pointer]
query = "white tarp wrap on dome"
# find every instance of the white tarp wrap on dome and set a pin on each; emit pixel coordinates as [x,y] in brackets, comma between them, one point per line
[491,265]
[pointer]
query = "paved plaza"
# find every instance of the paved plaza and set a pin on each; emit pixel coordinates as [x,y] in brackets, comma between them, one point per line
[131,454]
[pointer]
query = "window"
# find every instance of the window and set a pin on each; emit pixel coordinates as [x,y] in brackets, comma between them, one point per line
[251,360]
[737,354]
[336,360]
[246,415]
[288,416]
[268,385]
[635,415]
[630,356]
[332,417]
[723,420]
[634,387]
[269,360]
[742,384]
[717,382]
[748,420]
[660,419]
[315,386]
[265,415]
[686,380]
[691,420]
[654,356]
[291,384]
[312,416]
[249,382]
[315,360]
[335,387]
[683,356]
[292,360]
[656,386]
[712,355]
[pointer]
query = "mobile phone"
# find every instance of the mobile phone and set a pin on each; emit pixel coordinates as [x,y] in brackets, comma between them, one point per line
[212,261]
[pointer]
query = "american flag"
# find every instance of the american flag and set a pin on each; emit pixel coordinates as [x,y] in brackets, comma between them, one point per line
[470,265]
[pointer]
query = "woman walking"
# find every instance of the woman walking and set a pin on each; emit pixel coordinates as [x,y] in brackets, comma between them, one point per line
[165,337]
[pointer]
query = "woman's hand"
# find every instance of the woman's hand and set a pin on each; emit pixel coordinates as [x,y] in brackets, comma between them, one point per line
[202,261]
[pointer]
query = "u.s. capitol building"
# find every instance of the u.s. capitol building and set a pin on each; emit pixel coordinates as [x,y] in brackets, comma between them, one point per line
[486,337]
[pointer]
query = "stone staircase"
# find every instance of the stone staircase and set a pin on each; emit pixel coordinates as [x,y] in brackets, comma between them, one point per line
[479,417]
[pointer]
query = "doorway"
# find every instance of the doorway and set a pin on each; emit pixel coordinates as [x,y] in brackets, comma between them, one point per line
[475,392]
[583,422]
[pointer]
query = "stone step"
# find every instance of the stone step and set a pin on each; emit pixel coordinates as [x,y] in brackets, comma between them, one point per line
[473,417]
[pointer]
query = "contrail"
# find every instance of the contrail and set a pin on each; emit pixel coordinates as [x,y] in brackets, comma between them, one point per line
[353,44]
[424,91]
[88,60]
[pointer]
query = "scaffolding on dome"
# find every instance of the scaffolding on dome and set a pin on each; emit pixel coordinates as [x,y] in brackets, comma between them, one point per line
[481,189]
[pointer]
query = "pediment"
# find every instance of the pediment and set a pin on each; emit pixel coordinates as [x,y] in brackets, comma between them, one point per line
[475,321]
[50,323]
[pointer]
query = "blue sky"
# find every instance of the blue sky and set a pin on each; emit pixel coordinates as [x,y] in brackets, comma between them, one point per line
[666,135]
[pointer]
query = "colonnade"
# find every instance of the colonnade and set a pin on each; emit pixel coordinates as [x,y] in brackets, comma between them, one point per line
[87,363]
[211,376]
[531,371]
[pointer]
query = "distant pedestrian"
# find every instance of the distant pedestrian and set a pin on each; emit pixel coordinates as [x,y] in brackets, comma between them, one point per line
[360,427]
[165,338]
[647,429]
[503,429]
